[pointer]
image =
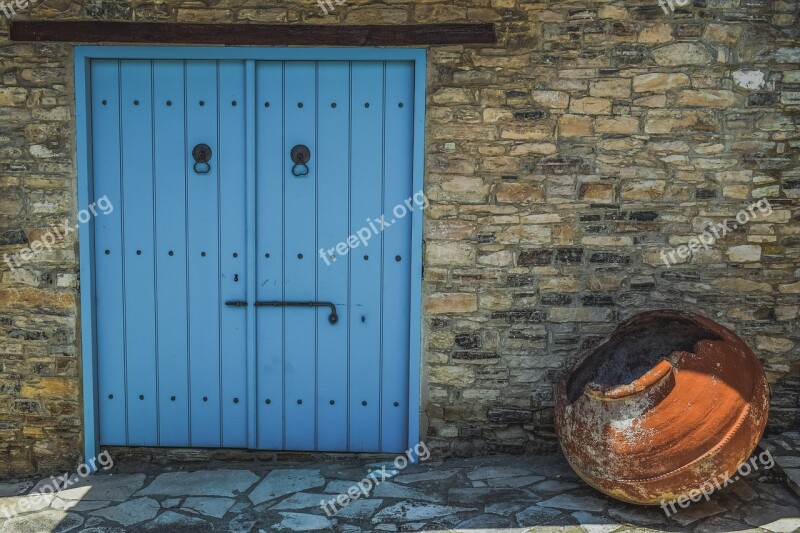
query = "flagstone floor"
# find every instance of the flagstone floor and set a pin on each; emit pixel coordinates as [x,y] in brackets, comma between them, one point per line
[785,448]
[496,493]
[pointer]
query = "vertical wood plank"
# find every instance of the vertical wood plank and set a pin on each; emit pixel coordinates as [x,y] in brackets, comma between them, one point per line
[106,170]
[170,180]
[365,262]
[415,337]
[138,228]
[233,226]
[88,269]
[397,255]
[252,255]
[300,253]
[270,162]
[203,250]
[333,168]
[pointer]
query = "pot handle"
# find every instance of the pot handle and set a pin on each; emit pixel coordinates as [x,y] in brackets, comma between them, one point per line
[657,381]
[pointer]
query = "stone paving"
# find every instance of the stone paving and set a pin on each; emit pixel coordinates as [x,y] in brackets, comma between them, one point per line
[785,448]
[496,493]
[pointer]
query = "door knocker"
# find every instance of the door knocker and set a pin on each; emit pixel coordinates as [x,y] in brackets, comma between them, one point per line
[202,156]
[301,155]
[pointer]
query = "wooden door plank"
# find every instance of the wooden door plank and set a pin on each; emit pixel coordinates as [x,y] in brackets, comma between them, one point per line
[169,115]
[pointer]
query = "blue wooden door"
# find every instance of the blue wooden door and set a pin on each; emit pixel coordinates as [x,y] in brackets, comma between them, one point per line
[195,347]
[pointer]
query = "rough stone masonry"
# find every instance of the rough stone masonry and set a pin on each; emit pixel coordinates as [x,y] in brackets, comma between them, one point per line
[560,162]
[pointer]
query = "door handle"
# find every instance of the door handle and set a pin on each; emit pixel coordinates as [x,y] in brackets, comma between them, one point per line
[202,155]
[300,155]
[333,318]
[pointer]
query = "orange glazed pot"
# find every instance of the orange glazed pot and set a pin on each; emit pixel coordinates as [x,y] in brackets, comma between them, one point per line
[669,401]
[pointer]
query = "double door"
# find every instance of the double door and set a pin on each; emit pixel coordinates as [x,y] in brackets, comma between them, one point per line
[239,302]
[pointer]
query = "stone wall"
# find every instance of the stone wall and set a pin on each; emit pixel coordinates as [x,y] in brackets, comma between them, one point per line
[560,163]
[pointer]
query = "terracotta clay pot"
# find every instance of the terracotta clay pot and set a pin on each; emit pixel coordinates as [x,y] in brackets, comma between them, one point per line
[669,401]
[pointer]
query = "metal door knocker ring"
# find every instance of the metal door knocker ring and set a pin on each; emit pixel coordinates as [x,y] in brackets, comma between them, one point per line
[301,155]
[202,156]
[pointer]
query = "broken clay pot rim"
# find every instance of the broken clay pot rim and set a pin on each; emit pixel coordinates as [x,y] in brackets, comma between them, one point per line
[661,376]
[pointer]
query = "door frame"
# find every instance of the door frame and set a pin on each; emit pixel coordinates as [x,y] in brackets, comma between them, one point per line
[87,308]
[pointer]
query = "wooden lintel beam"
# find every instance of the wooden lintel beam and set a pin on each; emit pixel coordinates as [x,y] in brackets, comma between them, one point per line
[252,34]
